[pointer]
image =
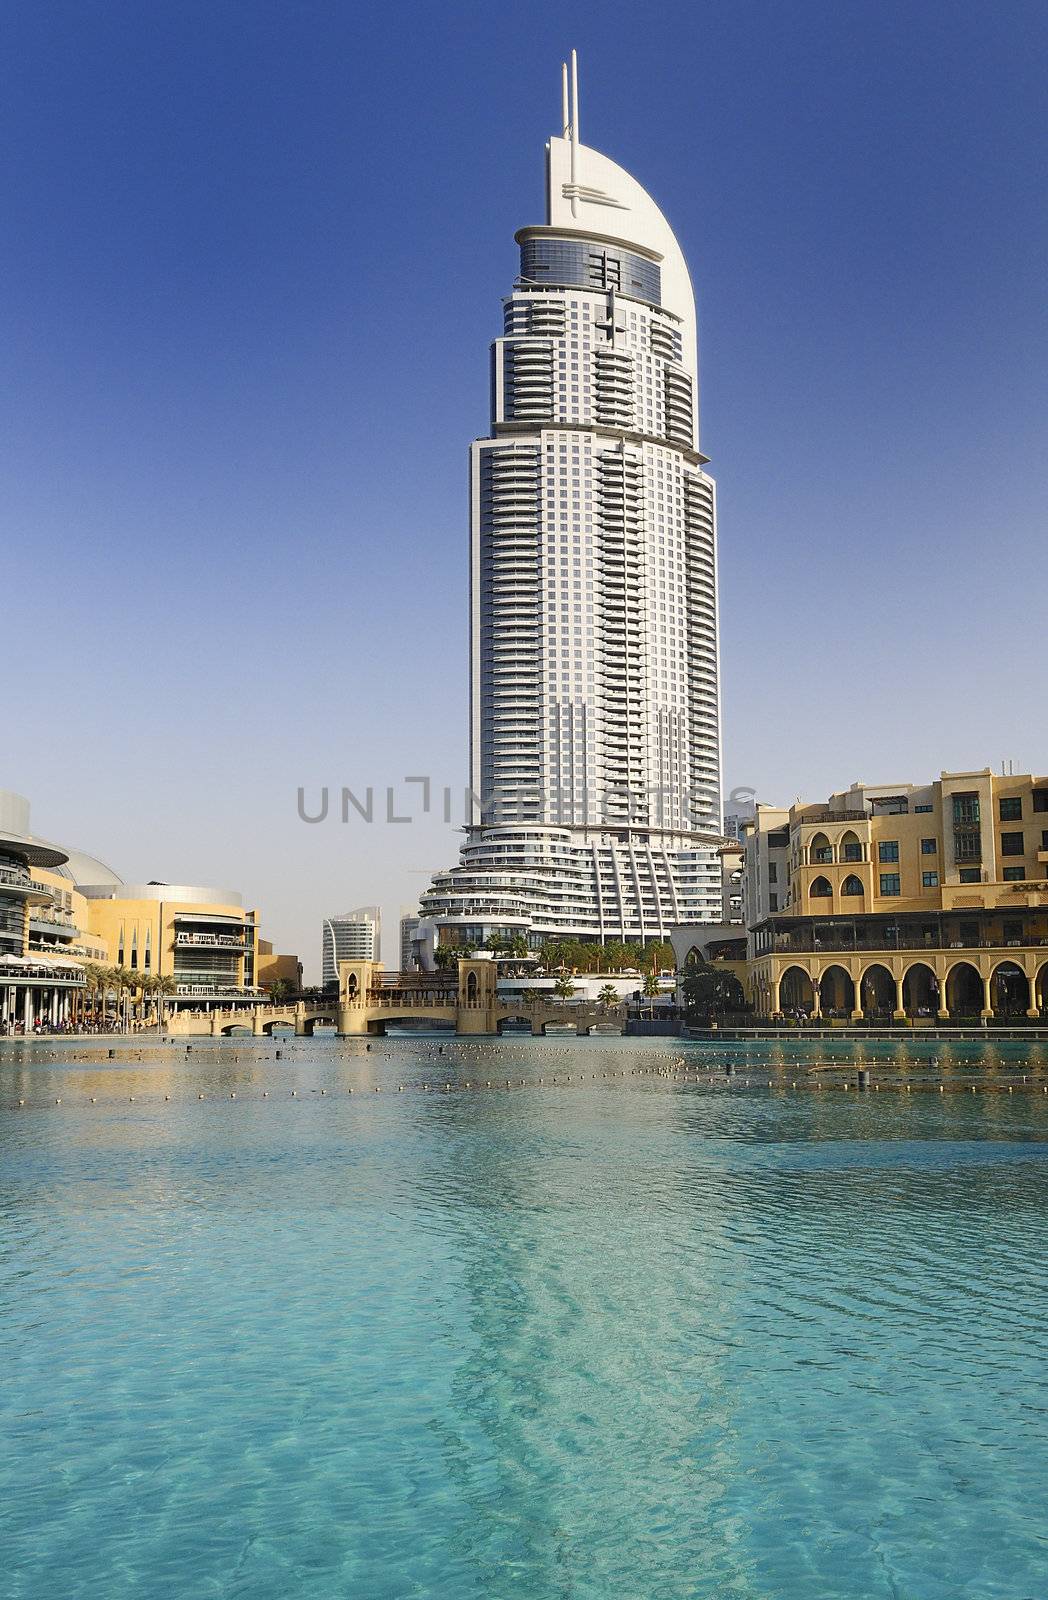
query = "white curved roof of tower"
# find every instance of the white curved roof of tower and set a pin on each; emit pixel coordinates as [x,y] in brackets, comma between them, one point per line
[602,197]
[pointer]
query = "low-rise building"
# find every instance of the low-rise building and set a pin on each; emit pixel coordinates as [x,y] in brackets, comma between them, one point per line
[903,901]
[201,938]
[45,938]
[62,912]
[274,968]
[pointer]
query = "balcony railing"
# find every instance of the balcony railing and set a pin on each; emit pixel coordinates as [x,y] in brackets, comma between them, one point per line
[209,941]
[810,817]
[211,991]
[17,879]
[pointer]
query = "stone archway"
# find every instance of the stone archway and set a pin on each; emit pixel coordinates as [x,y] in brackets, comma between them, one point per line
[920,991]
[1009,990]
[796,991]
[518,1023]
[877,991]
[849,847]
[820,851]
[1040,987]
[836,993]
[964,990]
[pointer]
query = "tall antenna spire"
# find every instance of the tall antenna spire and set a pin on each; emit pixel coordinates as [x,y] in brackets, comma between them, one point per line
[574,133]
[565,115]
[574,98]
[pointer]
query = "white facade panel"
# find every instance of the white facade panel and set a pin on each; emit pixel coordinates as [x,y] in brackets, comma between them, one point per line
[595,713]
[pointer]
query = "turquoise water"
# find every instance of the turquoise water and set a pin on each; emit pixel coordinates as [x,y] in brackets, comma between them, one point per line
[620,1337]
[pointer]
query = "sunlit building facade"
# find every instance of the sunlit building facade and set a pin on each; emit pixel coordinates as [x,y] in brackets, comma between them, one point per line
[595,724]
[916,903]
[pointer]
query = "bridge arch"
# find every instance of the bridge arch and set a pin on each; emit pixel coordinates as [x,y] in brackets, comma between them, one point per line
[377,1025]
[509,1020]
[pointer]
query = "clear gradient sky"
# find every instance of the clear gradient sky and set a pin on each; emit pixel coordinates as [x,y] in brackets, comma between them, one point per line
[253,258]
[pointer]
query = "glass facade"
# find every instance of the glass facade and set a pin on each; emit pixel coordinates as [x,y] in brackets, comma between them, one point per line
[590,265]
[12,924]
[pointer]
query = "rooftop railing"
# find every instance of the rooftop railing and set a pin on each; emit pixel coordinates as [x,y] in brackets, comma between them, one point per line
[806,943]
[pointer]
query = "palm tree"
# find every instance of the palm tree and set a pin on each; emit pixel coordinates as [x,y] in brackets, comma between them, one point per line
[609,995]
[551,954]
[146,986]
[94,974]
[615,955]
[163,985]
[105,984]
[652,989]
[563,988]
[125,980]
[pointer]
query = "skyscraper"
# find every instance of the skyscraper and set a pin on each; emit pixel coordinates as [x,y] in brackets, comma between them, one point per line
[351,936]
[595,721]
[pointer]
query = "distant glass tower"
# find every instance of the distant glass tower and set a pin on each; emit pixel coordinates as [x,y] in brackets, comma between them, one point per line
[352,936]
[595,715]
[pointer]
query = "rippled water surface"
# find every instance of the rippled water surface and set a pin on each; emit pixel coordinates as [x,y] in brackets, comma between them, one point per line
[627,1336]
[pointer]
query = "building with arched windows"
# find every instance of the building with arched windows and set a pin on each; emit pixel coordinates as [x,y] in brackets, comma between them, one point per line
[906,903]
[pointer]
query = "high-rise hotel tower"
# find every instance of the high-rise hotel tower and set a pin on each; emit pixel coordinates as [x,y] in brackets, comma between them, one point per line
[595,725]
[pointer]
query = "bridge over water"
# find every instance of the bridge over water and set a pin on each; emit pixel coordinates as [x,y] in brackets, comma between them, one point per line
[367,1004]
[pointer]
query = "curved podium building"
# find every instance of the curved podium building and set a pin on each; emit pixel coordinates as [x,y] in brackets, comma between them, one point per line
[595,724]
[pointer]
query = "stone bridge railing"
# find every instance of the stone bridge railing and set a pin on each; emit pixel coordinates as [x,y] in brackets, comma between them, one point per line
[472,1005]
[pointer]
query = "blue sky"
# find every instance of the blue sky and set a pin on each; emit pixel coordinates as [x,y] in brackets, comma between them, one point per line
[254,257]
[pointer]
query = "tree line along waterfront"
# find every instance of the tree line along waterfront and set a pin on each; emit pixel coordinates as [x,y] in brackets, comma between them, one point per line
[582,958]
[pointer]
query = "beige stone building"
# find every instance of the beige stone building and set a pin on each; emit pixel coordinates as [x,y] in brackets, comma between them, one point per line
[904,902]
[274,968]
[201,938]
